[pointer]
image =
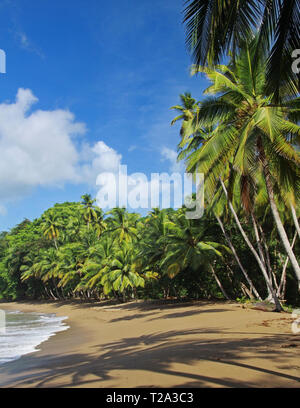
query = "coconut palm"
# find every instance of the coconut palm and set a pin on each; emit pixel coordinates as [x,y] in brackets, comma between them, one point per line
[186,246]
[213,28]
[125,271]
[51,225]
[192,138]
[70,258]
[46,269]
[187,111]
[96,265]
[249,132]
[89,213]
[122,225]
[99,224]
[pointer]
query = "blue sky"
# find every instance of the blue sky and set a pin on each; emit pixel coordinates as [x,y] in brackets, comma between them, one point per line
[86,78]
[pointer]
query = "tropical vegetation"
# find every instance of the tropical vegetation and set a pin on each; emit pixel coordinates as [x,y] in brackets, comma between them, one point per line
[244,135]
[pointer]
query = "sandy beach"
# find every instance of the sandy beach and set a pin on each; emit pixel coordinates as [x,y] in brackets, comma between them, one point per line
[199,344]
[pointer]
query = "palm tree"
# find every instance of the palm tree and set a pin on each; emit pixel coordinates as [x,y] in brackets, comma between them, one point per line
[186,246]
[90,213]
[124,271]
[122,225]
[192,139]
[70,264]
[214,28]
[186,111]
[99,224]
[249,132]
[97,265]
[44,268]
[51,226]
[151,242]
[74,226]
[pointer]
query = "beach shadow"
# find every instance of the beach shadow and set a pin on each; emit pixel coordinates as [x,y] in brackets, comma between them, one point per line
[162,304]
[130,317]
[156,311]
[156,353]
[138,305]
[183,313]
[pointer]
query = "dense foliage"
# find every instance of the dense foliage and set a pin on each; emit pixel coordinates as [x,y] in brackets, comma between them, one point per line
[216,28]
[74,250]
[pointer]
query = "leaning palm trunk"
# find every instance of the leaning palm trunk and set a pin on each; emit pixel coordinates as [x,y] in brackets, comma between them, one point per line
[278,307]
[276,216]
[246,291]
[264,254]
[259,243]
[53,296]
[268,261]
[296,222]
[281,288]
[252,287]
[218,282]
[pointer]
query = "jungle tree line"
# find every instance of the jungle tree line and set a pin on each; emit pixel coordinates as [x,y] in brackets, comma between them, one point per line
[74,250]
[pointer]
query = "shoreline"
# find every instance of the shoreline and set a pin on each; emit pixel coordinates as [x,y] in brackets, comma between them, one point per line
[140,344]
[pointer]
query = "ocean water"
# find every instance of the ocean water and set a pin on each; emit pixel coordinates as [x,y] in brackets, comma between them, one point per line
[22,333]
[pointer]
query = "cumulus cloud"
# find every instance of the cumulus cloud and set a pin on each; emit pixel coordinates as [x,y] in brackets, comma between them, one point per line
[45,148]
[171,156]
[36,147]
[98,158]
[42,148]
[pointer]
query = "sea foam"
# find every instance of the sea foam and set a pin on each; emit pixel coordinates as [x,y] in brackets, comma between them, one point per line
[24,332]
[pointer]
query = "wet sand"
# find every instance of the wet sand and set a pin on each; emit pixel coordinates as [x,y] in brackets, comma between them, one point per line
[199,344]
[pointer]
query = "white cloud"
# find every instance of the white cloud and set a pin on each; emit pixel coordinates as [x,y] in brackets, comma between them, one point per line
[42,148]
[98,159]
[36,147]
[171,156]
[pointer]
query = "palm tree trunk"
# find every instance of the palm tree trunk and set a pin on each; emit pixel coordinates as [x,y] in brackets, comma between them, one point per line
[218,282]
[258,241]
[268,261]
[296,222]
[55,287]
[281,288]
[252,287]
[246,291]
[276,216]
[55,243]
[261,253]
[53,296]
[259,244]
[252,249]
